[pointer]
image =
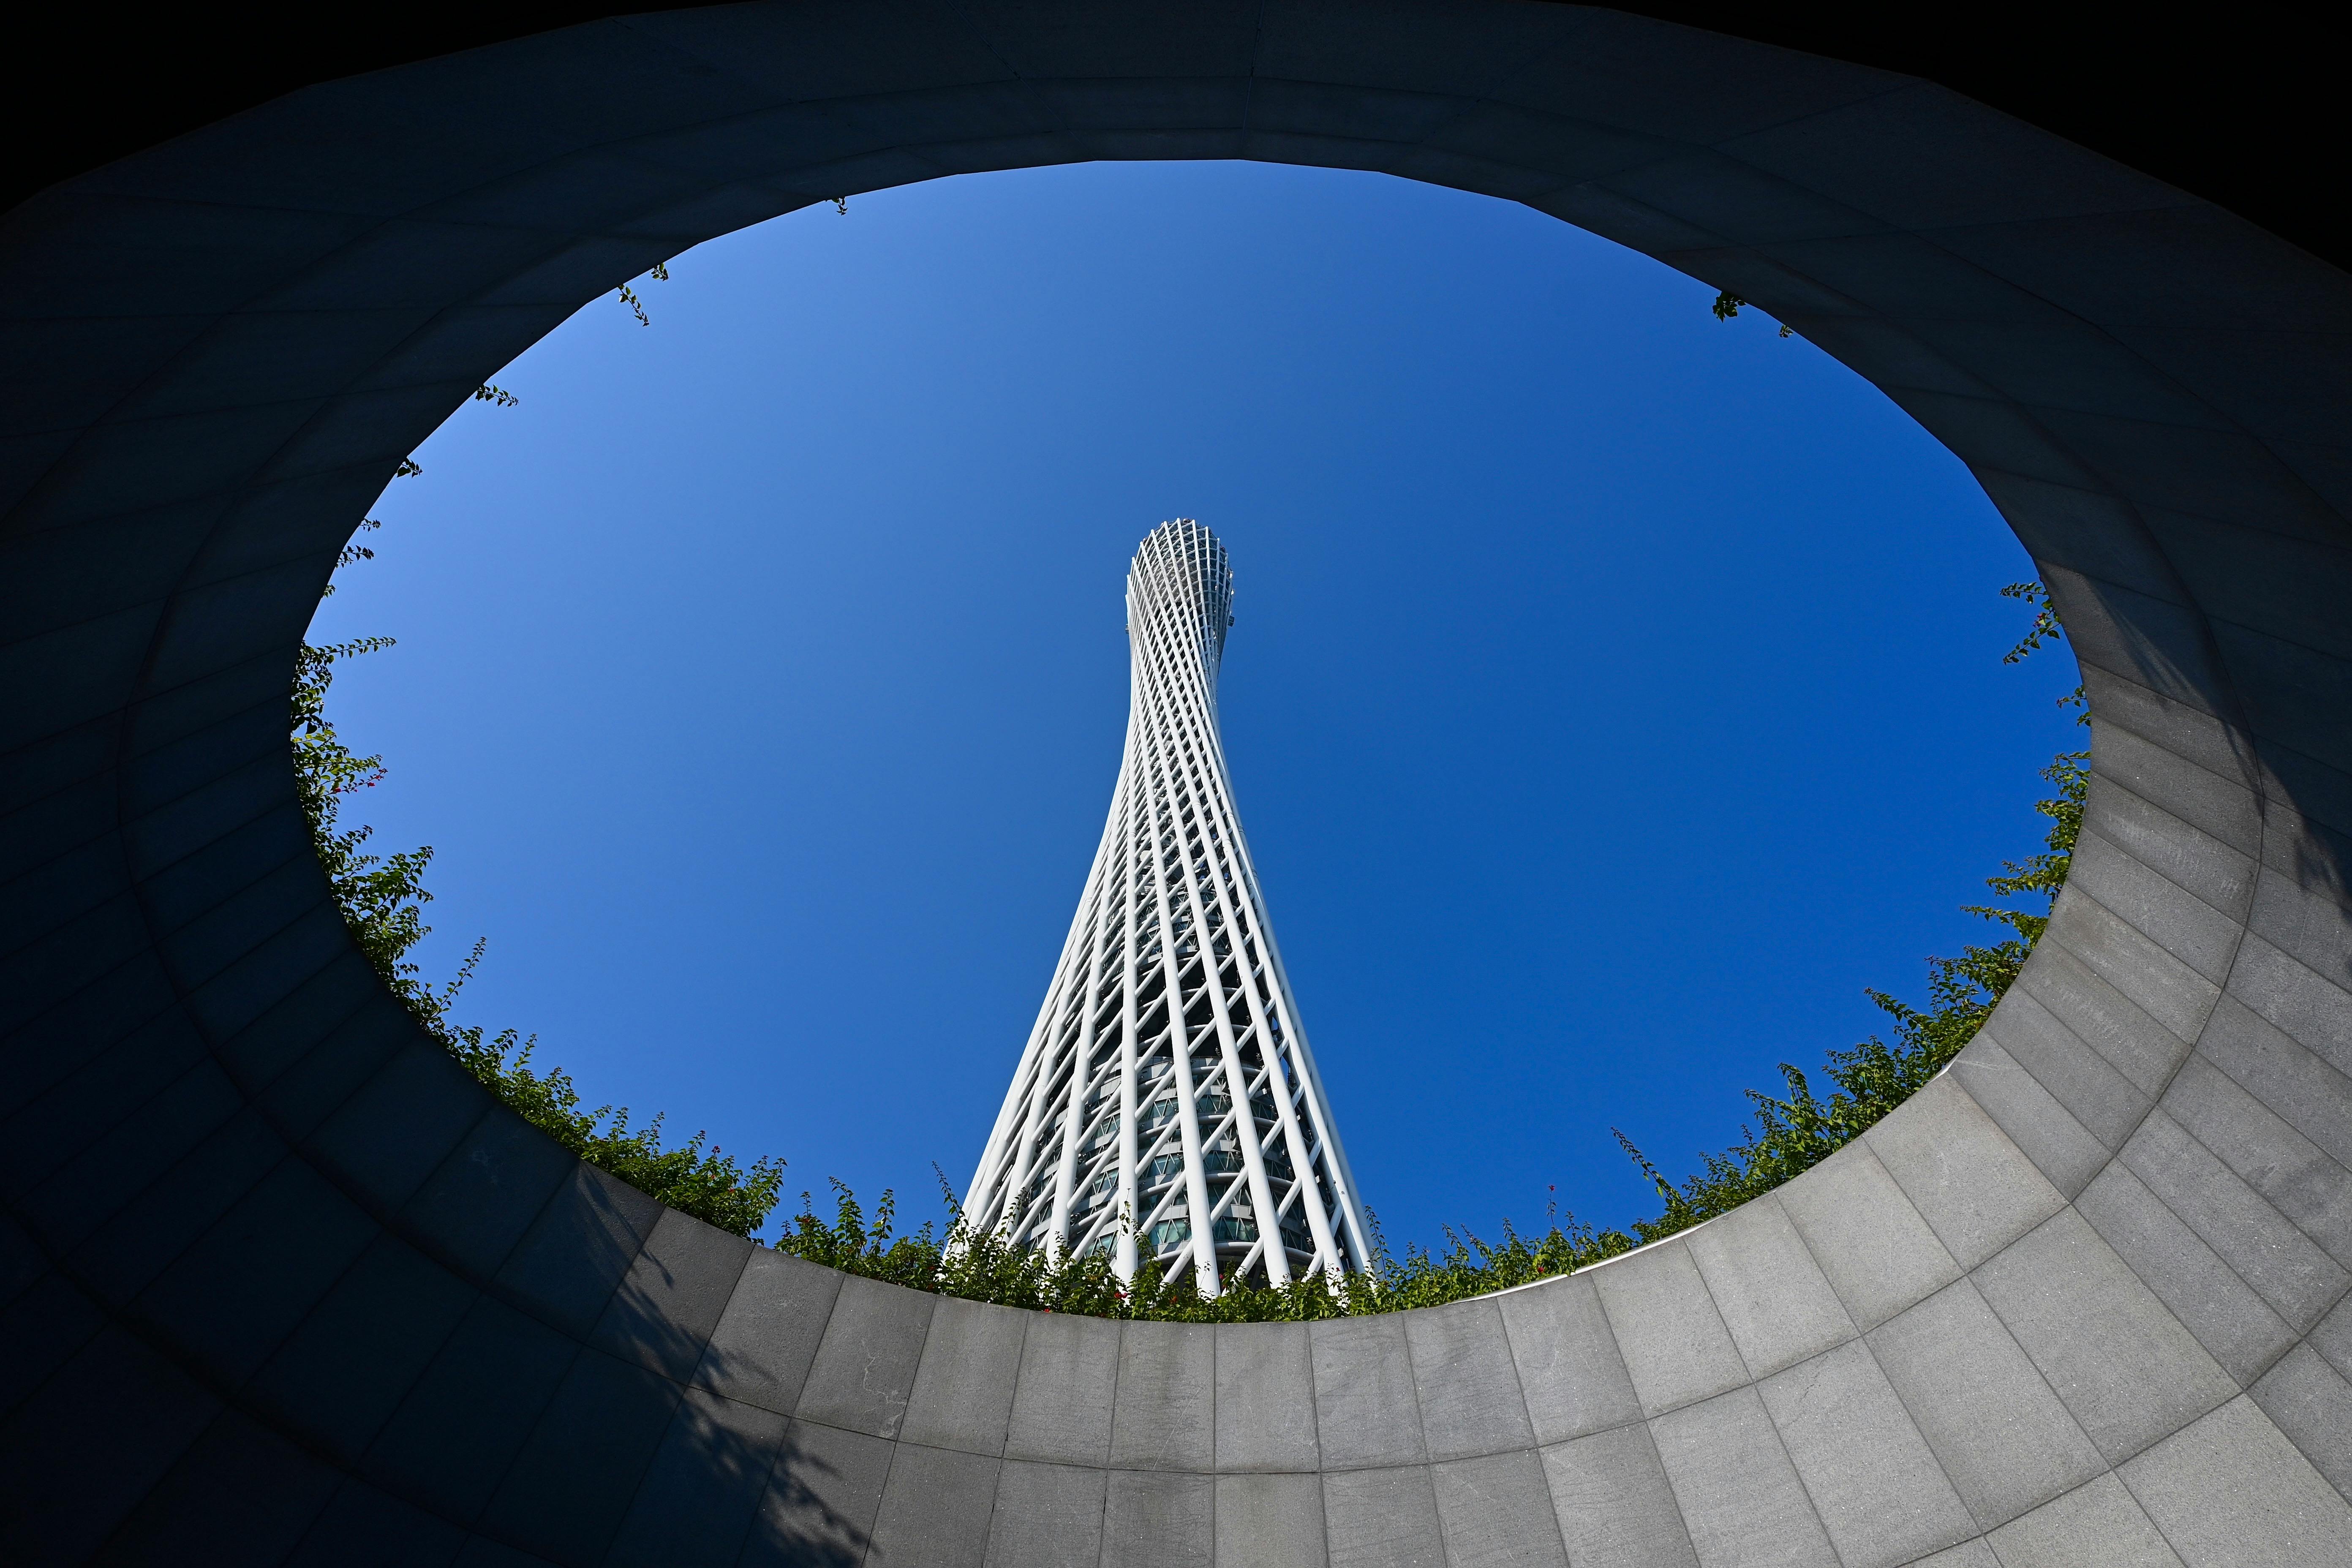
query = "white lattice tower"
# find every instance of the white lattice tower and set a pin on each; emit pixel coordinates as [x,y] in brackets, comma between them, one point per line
[1211,1143]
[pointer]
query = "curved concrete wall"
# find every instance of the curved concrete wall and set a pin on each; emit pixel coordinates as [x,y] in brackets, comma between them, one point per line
[280,1284]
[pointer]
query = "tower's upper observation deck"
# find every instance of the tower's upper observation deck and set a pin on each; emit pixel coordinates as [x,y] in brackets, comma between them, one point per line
[1181,572]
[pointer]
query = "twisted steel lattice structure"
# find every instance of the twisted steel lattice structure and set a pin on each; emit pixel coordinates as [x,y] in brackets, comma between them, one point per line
[1213,1145]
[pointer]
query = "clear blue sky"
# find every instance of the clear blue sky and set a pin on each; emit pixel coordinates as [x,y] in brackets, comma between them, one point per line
[1614,693]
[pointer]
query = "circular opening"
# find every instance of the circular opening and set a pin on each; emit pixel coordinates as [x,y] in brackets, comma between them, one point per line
[1616,691]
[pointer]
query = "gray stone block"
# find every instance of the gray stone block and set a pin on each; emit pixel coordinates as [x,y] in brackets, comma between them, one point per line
[2125,1366]
[695,1506]
[65,1021]
[822,1498]
[1773,1297]
[2193,930]
[485,1552]
[2093,1089]
[187,1187]
[1164,1417]
[865,1367]
[2234,1324]
[313,1085]
[2311,1403]
[575,1253]
[2202,785]
[1879,1254]
[52,1322]
[56,1116]
[1382,1519]
[241,1494]
[233,1297]
[2167,725]
[220,946]
[1569,150]
[345,1048]
[2294,1176]
[1292,112]
[962,1397]
[2232,1489]
[1061,1408]
[2306,1007]
[768,1334]
[483,1198]
[2333,1336]
[1574,1378]
[1495,1511]
[2307,828]
[2216,871]
[2096,1523]
[349,1364]
[1870,1475]
[2183,520]
[1739,1496]
[115,1396]
[2067,1154]
[2004,1439]
[1270,1521]
[362,1527]
[1615,1505]
[1266,1398]
[1468,1389]
[1047,1516]
[129,1020]
[391,1135]
[2289,1271]
[67,964]
[2164,987]
[2103,1017]
[1967,1554]
[1160,1519]
[572,1483]
[2291,720]
[1673,1342]
[2296,1083]
[216,794]
[2301,911]
[935,1510]
[1974,1187]
[462,1422]
[1364,1405]
[662,1315]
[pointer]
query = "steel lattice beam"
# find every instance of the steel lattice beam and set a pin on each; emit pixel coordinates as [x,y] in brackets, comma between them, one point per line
[1167,1103]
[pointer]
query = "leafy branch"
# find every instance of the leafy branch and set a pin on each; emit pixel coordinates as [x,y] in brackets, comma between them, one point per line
[2045,628]
[629,297]
[1727,304]
[383,899]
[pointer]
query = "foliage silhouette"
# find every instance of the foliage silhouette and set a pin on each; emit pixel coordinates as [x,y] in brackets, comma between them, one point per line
[383,899]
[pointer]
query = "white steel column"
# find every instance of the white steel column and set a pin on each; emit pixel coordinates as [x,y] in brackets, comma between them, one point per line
[1053,1175]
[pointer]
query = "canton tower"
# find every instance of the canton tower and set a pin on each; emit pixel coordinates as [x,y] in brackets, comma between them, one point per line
[1210,1145]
